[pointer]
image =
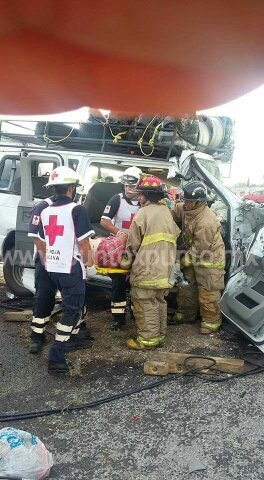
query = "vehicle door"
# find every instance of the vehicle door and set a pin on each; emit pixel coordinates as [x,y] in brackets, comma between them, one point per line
[9,197]
[35,170]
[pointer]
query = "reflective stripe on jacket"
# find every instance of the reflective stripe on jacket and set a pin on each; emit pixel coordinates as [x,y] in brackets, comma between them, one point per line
[201,231]
[152,241]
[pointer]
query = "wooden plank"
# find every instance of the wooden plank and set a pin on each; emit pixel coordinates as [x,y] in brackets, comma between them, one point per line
[26,315]
[23,316]
[156,368]
[175,364]
[163,368]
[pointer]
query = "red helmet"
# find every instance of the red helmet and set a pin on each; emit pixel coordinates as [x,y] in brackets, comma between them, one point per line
[151,184]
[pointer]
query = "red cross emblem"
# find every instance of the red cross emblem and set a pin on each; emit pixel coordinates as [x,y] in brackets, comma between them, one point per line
[52,230]
[126,224]
[54,175]
[35,220]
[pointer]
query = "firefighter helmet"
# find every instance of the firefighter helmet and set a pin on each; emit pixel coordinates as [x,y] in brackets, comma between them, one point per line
[64,176]
[151,184]
[195,191]
[131,176]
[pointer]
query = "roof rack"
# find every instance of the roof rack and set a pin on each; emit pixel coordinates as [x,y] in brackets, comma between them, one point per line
[159,137]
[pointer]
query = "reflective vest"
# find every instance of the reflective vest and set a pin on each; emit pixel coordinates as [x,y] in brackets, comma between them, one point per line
[125,214]
[61,243]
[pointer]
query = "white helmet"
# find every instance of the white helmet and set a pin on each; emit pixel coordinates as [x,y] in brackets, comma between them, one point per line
[131,176]
[64,176]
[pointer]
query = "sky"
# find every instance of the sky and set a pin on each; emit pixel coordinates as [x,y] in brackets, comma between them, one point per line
[248,113]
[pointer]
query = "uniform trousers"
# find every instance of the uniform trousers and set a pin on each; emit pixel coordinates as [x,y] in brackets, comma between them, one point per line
[44,300]
[118,298]
[72,288]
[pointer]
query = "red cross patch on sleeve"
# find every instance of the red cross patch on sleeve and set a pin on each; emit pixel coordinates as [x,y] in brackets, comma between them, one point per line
[107,209]
[35,220]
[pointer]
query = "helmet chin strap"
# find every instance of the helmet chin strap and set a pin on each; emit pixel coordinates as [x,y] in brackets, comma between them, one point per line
[74,193]
[134,197]
[198,203]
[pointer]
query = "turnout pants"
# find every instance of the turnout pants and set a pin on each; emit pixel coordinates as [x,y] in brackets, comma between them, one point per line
[203,294]
[72,288]
[150,311]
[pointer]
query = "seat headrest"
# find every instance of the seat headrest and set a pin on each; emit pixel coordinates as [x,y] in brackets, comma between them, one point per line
[97,198]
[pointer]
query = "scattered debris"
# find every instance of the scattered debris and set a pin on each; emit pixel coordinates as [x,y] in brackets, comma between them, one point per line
[196,465]
[135,418]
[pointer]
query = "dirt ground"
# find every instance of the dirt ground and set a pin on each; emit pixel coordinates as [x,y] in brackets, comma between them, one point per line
[153,434]
[109,347]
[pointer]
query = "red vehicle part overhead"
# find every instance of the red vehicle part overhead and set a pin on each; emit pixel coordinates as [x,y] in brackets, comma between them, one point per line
[166,57]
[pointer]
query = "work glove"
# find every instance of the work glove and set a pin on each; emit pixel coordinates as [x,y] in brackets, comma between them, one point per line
[126,262]
[186,261]
[90,271]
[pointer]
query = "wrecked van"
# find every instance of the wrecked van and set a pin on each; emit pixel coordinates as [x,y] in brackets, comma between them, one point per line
[24,171]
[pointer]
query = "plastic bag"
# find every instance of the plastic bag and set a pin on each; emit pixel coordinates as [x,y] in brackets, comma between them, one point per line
[23,455]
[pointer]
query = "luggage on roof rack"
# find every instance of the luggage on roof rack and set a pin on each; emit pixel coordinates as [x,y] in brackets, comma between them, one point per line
[158,137]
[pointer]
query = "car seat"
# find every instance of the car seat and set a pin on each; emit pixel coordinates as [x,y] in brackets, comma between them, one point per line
[96,200]
[37,186]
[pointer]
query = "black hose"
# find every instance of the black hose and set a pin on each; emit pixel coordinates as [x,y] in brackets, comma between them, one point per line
[11,478]
[254,371]
[193,371]
[24,416]
[8,304]
[11,307]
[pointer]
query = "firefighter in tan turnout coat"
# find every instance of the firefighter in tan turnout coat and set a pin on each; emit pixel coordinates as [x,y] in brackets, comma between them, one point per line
[152,243]
[204,259]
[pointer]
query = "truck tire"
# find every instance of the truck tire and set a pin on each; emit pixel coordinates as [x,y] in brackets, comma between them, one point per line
[13,276]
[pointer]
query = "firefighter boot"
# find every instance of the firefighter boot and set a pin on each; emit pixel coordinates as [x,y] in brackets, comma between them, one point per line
[37,341]
[119,322]
[208,327]
[180,318]
[141,344]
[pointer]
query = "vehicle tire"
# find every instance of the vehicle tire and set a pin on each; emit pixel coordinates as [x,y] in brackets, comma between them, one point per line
[13,276]
[94,131]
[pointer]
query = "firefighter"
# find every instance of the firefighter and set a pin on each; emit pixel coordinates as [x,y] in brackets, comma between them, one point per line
[116,219]
[45,292]
[152,244]
[64,229]
[204,259]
